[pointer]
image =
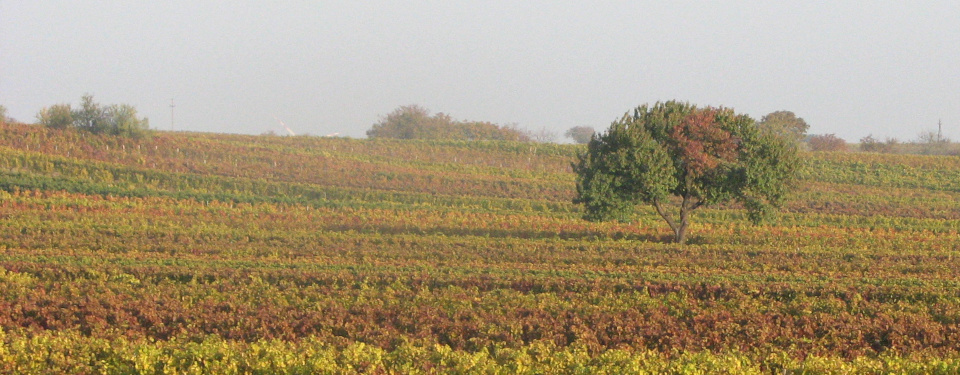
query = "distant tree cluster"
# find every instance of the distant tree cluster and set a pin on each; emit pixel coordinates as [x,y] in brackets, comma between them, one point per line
[927,143]
[871,144]
[787,125]
[415,122]
[116,119]
[826,142]
[931,137]
[933,142]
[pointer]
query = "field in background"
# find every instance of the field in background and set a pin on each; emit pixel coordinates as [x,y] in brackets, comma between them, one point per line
[230,253]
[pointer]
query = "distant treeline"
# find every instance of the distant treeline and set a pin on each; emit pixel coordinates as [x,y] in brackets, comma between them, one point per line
[415,122]
[928,143]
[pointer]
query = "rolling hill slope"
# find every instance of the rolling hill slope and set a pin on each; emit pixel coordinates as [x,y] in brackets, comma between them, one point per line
[295,254]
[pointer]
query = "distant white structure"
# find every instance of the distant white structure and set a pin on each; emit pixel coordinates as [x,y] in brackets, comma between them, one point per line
[285,126]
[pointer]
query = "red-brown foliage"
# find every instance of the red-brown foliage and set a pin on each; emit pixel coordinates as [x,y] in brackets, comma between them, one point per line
[702,144]
[827,142]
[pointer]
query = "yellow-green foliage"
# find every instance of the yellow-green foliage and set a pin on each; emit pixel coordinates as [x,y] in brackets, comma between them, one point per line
[71,353]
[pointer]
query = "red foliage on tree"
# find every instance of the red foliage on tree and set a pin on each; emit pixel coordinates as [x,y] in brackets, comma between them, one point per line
[702,144]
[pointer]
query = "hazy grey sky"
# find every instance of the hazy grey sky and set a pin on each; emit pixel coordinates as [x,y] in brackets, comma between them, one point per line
[850,68]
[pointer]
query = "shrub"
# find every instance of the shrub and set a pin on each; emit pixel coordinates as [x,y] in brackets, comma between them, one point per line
[57,116]
[117,119]
[933,143]
[415,122]
[827,142]
[871,144]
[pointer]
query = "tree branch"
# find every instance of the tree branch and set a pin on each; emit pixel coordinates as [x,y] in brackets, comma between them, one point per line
[697,205]
[665,215]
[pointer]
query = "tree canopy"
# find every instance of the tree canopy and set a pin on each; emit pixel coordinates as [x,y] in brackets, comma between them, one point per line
[826,142]
[415,122]
[678,158]
[580,134]
[57,116]
[785,124]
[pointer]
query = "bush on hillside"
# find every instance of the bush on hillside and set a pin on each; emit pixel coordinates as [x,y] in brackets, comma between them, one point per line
[415,122]
[827,142]
[933,143]
[871,144]
[57,116]
[116,119]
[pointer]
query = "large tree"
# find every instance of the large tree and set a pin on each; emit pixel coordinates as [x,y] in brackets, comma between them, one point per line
[678,158]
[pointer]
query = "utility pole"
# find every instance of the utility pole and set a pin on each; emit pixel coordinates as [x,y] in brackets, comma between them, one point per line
[171,114]
[939,130]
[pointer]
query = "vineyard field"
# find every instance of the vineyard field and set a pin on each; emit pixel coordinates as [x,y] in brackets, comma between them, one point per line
[216,253]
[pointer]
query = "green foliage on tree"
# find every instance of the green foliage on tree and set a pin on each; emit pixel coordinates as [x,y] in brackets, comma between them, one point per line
[785,124]
[580,134]
[58,116]
[678,158]
[117,119]
[415,122]
[122,120]
[91,116]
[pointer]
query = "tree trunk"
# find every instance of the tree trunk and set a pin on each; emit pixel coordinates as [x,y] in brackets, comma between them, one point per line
[679,228]
[681,236]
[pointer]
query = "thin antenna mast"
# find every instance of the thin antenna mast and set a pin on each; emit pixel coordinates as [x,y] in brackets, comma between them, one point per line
[171,113]
[939,130]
